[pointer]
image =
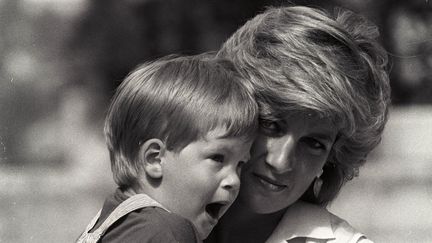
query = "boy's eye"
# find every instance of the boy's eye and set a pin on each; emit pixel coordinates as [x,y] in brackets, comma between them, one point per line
[218,158]
[240,166]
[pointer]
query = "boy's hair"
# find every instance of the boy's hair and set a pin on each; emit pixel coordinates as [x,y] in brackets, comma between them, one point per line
[303,59]
[177,100]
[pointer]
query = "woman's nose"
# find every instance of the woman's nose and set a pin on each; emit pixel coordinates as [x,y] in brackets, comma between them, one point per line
[280,154]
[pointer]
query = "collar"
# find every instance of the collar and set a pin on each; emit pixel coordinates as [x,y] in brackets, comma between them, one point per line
[303,220]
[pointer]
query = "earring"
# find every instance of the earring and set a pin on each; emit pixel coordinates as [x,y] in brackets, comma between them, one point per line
[317,185]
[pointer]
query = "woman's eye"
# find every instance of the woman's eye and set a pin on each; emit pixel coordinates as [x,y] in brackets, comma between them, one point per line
[269,126]
[218,158]
[315,144]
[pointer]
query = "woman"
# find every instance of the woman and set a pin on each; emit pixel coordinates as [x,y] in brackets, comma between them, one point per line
[323,90]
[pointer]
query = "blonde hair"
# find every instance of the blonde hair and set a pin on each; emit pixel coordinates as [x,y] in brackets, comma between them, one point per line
[303,59]
[178,100]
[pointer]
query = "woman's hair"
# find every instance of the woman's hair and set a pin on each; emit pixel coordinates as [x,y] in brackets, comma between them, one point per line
[303,59]
[177,100]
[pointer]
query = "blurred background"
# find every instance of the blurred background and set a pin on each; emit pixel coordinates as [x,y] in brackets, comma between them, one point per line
[60,61]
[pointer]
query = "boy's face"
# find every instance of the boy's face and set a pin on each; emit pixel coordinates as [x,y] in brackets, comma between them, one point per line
[202,180]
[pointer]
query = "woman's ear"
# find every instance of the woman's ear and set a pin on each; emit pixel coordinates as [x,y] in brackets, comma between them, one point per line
[150,154]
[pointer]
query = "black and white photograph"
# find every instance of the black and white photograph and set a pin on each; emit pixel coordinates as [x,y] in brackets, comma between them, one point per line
[197,121]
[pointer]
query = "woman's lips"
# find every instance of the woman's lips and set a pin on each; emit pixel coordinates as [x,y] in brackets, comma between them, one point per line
[269,183]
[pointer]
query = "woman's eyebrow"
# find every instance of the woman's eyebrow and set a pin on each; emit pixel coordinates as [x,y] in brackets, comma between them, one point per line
[324,136]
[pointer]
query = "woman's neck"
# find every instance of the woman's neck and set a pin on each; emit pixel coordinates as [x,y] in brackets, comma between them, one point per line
[241,224]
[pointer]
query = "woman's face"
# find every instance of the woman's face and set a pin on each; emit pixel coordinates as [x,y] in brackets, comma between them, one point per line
[285,158]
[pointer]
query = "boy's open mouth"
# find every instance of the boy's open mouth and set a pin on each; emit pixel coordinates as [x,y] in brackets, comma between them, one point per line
[214,209]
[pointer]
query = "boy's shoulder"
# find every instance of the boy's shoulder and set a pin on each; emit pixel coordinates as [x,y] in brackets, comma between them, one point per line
[147,224]
[151,224]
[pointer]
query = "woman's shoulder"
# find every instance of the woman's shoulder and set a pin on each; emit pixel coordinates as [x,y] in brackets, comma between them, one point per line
[315,224]
[344,232]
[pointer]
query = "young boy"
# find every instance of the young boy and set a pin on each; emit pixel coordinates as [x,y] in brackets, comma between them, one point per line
[178,131]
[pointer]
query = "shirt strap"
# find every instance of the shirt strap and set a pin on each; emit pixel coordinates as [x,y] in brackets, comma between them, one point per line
[129,205]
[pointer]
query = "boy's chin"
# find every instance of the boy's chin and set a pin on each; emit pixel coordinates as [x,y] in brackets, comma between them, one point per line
[202,234]
[204,229]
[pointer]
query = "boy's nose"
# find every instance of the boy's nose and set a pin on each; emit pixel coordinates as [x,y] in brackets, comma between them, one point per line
[232,181]
[280,154]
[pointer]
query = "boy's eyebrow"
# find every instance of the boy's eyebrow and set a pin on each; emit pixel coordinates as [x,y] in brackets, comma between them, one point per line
[223,148]
[219,147]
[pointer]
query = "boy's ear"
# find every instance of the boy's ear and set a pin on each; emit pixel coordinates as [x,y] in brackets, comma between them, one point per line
[151,152]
